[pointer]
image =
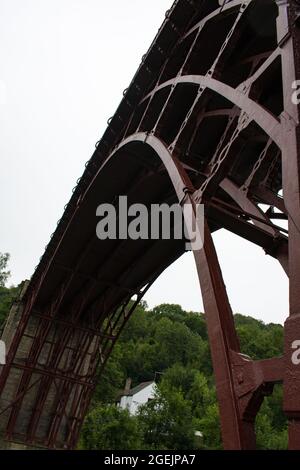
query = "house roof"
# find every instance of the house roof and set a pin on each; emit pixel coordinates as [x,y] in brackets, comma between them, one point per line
[138,388]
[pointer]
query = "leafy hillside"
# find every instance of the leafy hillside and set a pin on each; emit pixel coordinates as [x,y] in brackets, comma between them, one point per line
[7,295]
[170,343]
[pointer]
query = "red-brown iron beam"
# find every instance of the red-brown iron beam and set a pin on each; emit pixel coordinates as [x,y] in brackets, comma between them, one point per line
[289,36]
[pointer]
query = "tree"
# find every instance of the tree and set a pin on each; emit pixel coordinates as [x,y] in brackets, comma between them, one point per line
[167,422]
[257,339]
[210,427]
[7,295]
[196,323]
[193,385]
[4,275]
[271,423]
[6,298]
[110,427]
[176,343]
[172,311]
[112,379]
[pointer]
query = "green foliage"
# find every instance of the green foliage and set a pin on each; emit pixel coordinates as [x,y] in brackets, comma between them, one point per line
[266,437]
[155,340]
[172,311]
[111,381]
[4,274]
[7,296]
[173,343]
[210,427]
[257,339]
[167,422]
[271,428]
[192,384]
[109,427]
[177,344]
[196,323]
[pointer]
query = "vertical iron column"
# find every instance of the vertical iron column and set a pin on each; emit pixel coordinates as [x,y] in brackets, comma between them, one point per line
[236,432]
[289,38]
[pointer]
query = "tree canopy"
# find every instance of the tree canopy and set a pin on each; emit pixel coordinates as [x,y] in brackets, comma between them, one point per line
[4,274]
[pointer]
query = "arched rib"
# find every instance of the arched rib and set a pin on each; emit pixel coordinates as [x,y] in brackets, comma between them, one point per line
[178,176]
[228,6]
[269,123]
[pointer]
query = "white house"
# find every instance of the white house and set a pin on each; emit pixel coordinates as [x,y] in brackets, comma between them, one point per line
[133,398]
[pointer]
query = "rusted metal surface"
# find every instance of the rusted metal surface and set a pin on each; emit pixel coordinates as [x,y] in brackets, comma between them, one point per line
[207,118]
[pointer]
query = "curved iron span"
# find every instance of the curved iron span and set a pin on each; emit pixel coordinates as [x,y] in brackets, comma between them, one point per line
[208,117]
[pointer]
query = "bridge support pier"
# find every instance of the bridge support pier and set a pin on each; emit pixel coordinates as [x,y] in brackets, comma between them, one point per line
[288,20]
[241,383]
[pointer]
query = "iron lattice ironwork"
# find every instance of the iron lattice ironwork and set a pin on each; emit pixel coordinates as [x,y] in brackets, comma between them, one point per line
[208,117]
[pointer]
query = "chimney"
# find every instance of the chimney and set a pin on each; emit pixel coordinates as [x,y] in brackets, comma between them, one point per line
[127,386]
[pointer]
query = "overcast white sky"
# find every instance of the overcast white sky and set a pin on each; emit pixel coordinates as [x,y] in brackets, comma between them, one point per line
[63,67]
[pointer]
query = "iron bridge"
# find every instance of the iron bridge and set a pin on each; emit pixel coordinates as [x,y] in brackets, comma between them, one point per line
[209,117]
